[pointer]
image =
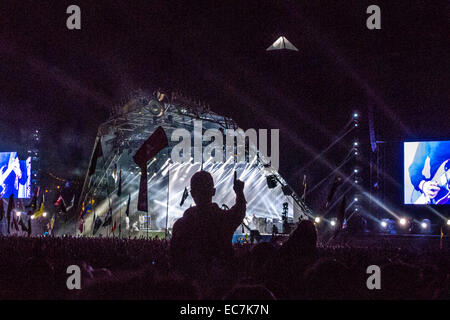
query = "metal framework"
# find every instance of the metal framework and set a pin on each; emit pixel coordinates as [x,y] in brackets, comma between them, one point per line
[130,126]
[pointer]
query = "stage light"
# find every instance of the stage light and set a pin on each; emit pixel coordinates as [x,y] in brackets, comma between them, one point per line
[355,143]
[317,219]
[356,199]
[355,170]
[384,224]
[271,181]
[333,223]
[402,221]
[18,214]
[423,225]
[355,115]
[44,214]
[448,222]
[356,124]
[155,108]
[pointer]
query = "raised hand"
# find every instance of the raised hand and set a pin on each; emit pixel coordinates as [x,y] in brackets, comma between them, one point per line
[238,185]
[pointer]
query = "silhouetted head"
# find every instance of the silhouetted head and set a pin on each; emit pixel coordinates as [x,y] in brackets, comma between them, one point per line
[306,233]
[202,188]
[303,240]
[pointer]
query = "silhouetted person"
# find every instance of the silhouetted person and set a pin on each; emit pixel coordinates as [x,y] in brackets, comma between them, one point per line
[204,233]
[298,252]
[302,242]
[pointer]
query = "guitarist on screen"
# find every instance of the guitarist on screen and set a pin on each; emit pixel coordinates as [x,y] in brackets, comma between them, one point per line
[436,188]
[11,176]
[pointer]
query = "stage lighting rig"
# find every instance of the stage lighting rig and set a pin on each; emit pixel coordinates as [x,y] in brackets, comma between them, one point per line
[271,181]
[425,226]
[155,108]
[403,222]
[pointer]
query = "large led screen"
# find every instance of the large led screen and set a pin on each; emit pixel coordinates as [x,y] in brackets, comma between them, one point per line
[427,172]
[15,176]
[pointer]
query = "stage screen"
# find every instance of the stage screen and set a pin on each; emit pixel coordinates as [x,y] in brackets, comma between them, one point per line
[427,172]
[15,176]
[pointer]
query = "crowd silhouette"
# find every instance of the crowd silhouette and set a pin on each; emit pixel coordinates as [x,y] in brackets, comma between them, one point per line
[200,262]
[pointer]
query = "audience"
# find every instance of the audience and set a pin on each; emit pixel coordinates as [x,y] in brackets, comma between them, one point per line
[200,262]
[35,268]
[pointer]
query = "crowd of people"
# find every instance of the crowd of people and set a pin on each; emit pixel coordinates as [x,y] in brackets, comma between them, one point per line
[200,262]
[112,268]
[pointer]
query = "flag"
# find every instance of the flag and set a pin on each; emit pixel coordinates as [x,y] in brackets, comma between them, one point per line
[98,152]
[29,226]
[184,197]
[72,202]
[86,209]
[119,189]
[81,225]
[150,148]
[127,212]
[33,203]
[336,183]
[113,227]
[8,211]
[22,224]
[41,210]
[14,222]
[304,187]
[97,224]
[61,204]
[52,222]
[114,174]
[341,215]
[373,140]
[143,193]
[108,218]
[2,209]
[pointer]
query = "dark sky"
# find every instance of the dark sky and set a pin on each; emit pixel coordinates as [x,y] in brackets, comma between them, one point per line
[65,82]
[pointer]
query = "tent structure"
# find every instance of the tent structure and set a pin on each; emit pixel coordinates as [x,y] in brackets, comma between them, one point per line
[282,43]
[267,193]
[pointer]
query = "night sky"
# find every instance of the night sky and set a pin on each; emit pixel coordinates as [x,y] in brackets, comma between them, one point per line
[66,82]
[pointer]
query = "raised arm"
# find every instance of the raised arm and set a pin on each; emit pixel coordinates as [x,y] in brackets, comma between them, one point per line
[236,214]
